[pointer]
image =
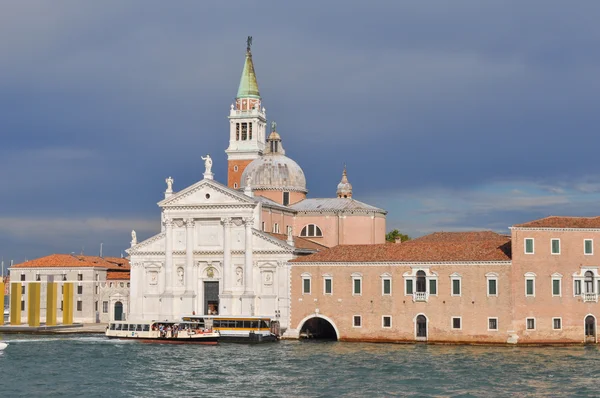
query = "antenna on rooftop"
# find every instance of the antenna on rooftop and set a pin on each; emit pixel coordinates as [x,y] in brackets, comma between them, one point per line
[101,248]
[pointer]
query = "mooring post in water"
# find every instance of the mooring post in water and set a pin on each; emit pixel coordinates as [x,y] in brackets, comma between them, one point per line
[15,303]
[67,303]
[34,303]
[51,300]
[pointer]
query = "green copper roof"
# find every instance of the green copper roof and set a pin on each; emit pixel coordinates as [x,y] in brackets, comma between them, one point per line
[248,85]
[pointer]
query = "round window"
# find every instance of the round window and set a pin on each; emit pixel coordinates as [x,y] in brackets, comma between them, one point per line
[207,196]
[235,168]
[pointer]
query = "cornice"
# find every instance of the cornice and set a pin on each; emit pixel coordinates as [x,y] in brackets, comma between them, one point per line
[396,263]
[555,229]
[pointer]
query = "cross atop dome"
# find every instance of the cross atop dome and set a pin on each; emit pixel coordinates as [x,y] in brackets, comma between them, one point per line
[344,188]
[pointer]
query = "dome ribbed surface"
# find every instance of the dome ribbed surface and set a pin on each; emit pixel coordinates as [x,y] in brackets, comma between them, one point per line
[274,171]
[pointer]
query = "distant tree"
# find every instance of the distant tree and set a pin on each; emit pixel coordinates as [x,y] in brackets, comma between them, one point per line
[395,234]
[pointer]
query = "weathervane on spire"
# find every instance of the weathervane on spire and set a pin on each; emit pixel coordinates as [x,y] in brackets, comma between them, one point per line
[248,43]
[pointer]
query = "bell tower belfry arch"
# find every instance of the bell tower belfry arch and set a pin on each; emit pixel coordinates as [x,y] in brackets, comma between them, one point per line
[247,124]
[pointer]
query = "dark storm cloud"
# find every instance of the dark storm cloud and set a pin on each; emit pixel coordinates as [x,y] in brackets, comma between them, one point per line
[101,101]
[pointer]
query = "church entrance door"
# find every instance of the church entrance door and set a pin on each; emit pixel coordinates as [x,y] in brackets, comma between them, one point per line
[118,311]
[211,298]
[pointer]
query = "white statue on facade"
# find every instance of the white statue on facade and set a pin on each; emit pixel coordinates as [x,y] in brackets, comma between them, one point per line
[133,238]
[239,276]
[169,182]
[180,276]
[207,164]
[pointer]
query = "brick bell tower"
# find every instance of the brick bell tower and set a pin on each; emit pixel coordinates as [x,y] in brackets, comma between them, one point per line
[247,124]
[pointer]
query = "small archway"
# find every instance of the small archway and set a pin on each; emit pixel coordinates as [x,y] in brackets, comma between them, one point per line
[590,329]
[318,327]
[118,311]
[421,327]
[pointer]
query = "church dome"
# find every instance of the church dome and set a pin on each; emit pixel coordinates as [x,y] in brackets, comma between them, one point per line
[274,170]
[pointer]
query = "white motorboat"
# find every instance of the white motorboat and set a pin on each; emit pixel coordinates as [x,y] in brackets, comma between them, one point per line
[3,345]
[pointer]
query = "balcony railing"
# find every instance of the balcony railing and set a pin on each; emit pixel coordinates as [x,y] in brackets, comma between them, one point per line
[420,296]
[590,297]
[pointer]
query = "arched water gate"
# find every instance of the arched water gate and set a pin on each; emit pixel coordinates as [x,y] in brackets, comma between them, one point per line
[318,327]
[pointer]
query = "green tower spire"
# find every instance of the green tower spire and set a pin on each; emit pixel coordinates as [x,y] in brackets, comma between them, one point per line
[248,85]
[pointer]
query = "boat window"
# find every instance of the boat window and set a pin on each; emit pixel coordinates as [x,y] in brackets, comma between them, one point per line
[264,324]
[112,326]
[118,326]
[138,328]
[146,328]
[253,324]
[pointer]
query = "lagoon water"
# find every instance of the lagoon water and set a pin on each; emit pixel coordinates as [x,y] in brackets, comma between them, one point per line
[92,366]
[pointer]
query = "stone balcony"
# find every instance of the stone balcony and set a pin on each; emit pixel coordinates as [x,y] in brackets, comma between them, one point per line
[589,297]
[420,296]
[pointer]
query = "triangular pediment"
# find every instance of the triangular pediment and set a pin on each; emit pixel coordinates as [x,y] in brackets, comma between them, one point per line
[265,242]
[154,244]
[206,192]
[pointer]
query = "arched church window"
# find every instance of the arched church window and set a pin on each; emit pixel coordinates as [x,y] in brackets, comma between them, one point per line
[589,282]
[311,230]
[244,131]
[237,131]
[249,131]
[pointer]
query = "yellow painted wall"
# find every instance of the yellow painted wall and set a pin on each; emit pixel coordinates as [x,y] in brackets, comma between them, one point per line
[2,301]
[15,303]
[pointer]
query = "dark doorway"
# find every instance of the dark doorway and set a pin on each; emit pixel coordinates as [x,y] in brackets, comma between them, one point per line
[211,298]
[421,282]
[421,327]
[318,328]
[118,311]
[590,329]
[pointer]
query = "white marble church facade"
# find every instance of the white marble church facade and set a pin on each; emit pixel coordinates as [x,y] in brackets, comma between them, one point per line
[209,256]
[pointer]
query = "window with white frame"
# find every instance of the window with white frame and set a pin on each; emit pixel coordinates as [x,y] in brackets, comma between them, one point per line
[493,324]
[556,285]
[530,284]
[456,323]
[555,245]
[105,307]
[311,230]
[288,230]
[557,323]
[577,287]
[327,284]
[306,283]
[409,288]
[492,283]
[357,321]
[433,287]
[530,323]
[386,284]
[386,321]
[455,284]
[529,246]
[276,228]
[356,284]
[588,246]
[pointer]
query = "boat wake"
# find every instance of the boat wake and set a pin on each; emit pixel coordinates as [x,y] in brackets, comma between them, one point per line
[87,340]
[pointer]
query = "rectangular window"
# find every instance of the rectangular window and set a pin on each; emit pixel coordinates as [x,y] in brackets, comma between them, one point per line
[97,289]
[22,305]
[530,290]
[409,286]
[328,286]
[263,226]
[38,277]
[79,305]
[387,321]
[530,323]
[492,323]
[237,131]
[22,277]
[244,131]
[357,287]
[64,277]
[456,323]
[492,287]
[249,131]
[286,198]
[387,286]
[577,288]
[588,247]
[555,246]
[80,289]
[556,323]
[79,277]
[357,321]
[22,289]
[528,245]
[61,305]
[456,287]
[96,306]
[556,287]
[305,285]
[432,286]
[105,307]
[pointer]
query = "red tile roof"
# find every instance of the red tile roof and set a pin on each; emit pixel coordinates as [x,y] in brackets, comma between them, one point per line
[117,275]
[72,261]
[437,247]
[562,222]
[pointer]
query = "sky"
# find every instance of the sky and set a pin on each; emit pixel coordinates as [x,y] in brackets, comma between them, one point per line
[451,115]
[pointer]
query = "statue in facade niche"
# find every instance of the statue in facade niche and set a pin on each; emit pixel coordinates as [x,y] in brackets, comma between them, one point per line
[133,238]
[239,276]
[180,276]
[169,182]
[207,163]
[210,273]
